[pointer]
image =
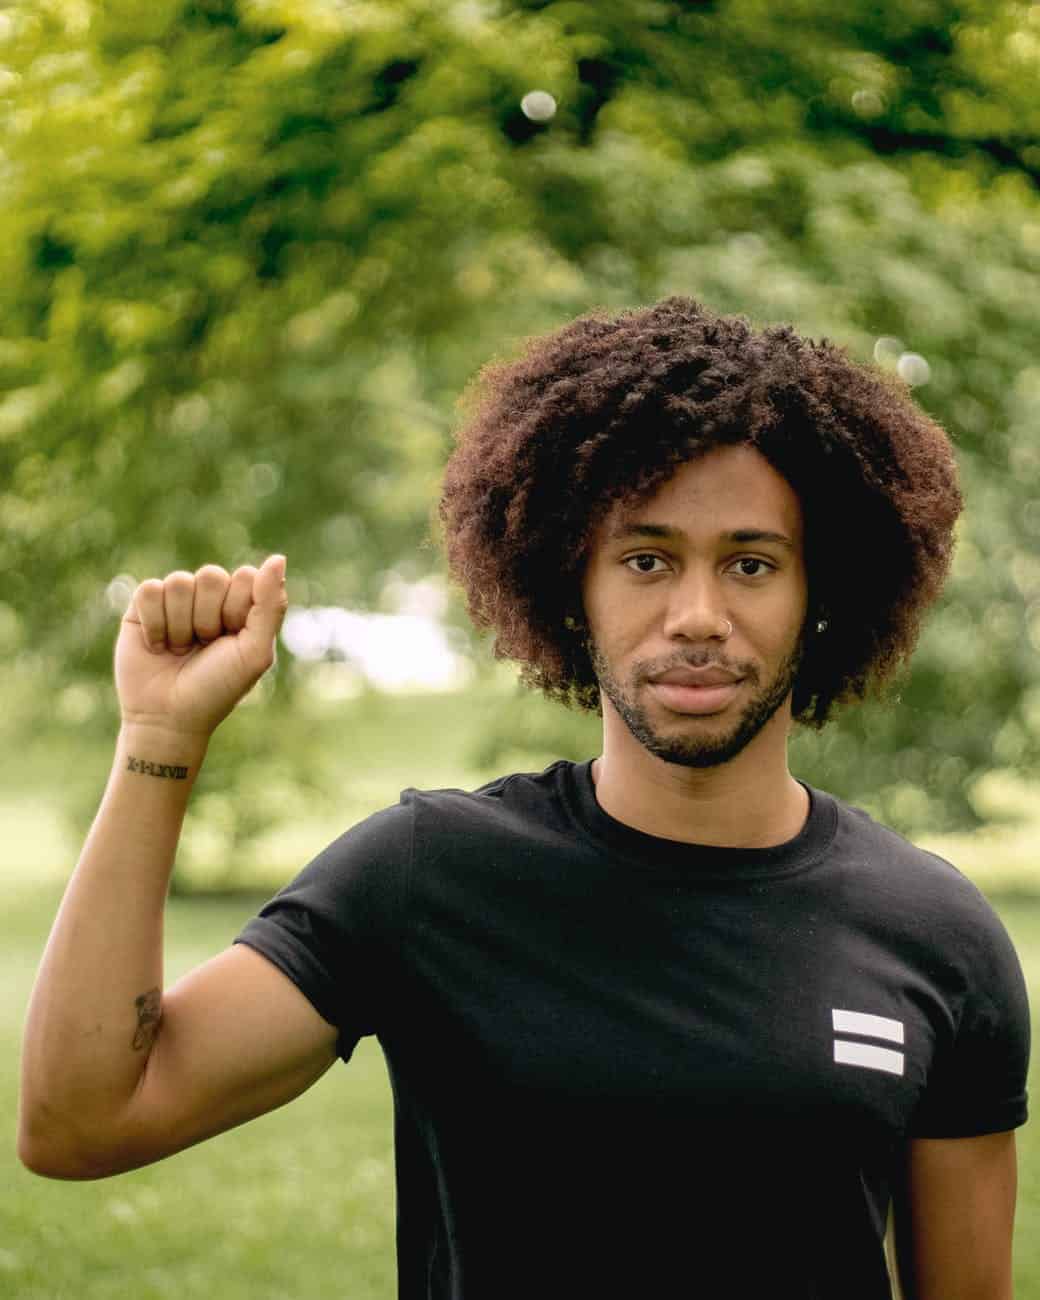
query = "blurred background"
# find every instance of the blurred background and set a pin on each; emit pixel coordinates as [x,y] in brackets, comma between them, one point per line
[251,253]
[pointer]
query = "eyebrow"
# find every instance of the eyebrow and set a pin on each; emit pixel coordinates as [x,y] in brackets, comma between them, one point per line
[666,531]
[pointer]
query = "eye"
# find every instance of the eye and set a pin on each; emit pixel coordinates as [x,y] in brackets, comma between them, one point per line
[645,563]
[751,567]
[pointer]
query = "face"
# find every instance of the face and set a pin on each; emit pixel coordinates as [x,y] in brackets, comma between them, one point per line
[695,600]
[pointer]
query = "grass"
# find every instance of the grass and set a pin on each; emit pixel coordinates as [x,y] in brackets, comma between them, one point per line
[1022,918]
[298,1203]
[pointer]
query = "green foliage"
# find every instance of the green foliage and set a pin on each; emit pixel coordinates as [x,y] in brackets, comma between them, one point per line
[299,1201]
[250,252]
[303,1193]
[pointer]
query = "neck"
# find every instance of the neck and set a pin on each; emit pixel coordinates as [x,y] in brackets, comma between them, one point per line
[752,801]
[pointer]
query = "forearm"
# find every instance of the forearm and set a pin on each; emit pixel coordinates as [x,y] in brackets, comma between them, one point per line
[94,1011]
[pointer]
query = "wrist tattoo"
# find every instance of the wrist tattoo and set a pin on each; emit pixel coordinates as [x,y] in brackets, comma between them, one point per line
[155,769]
[149,1012]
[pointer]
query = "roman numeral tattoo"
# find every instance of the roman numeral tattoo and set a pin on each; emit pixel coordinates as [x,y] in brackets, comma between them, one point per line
[149,1013]
[156,769]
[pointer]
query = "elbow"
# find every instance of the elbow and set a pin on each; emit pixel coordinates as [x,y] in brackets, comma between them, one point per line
[50,1162]
[44,1147]
[43,1159]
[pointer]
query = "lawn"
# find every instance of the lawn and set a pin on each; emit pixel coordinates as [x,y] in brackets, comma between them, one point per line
[297,1204]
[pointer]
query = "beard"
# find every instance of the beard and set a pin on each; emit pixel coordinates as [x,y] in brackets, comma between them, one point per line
[692,750]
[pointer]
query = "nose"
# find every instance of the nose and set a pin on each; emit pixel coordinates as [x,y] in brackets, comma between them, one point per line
[697,610]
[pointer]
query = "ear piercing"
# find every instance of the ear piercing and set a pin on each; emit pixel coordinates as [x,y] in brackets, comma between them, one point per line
[821,626]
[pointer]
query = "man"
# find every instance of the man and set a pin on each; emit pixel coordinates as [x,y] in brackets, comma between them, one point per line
[664,1023]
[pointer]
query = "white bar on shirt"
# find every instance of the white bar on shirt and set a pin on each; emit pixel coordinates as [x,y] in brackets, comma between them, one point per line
[866,1054]
[858,1022]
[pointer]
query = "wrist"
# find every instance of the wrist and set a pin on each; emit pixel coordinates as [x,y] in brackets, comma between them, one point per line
[157,744]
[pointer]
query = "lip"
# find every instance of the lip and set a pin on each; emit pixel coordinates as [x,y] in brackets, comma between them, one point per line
[695,698]
[686,675]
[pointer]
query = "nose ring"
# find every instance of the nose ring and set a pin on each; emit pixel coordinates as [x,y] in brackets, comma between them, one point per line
[729,629]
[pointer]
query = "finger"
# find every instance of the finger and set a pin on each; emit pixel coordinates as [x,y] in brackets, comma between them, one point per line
[238,599]
[211,586]
[146,608]
[270,602]
[178,601]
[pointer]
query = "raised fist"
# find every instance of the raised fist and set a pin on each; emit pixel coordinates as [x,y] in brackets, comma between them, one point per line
[192,644]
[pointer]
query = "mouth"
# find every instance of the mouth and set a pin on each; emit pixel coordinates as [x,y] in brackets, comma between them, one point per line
[698,691]
[688,675]
[679,697]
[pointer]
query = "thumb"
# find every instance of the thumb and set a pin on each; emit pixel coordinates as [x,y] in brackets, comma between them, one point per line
[270,602]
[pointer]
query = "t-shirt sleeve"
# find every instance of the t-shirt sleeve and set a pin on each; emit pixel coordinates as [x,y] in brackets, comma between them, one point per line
[331,930]
[977,1084]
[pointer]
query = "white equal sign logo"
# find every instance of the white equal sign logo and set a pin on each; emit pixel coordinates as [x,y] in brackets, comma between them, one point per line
[869,1055]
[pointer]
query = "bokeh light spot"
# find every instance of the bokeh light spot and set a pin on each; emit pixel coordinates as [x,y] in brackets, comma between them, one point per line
[888,350]
[538,105]
[868,103]
[119,591]
[914,369]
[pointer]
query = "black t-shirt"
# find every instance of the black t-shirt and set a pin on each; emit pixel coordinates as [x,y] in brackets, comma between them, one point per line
[623,1065]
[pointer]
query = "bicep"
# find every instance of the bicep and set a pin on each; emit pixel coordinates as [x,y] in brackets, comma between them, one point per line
[954,1218]
[237,1038]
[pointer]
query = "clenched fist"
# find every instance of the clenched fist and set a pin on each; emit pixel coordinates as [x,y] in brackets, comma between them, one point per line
[192,644]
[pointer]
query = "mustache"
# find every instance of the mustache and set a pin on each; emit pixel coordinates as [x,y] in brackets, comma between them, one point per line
[648,668]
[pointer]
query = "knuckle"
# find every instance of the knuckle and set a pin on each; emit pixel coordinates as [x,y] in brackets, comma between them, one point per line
[212,576]
[179,580]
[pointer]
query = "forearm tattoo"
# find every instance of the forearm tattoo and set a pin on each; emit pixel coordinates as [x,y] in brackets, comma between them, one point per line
[149,1013]
[155,769]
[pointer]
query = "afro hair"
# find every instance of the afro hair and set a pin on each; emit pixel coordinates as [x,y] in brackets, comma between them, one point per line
[604,410]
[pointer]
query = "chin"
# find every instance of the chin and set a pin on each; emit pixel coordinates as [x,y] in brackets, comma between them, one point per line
[701,755]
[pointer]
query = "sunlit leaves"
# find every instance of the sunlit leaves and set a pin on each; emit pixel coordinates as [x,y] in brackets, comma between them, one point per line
[251,250]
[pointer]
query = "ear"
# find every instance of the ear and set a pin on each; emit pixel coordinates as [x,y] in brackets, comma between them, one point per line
[818,619]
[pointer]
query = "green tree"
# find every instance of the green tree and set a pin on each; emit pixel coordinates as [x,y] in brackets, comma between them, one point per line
[250,252]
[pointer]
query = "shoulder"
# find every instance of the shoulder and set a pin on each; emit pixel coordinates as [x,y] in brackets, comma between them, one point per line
[429,824]
[868,846]
[389,837]
[915,892]
[519,801]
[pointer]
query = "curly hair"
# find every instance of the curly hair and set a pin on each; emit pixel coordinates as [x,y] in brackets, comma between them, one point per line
[604,410]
